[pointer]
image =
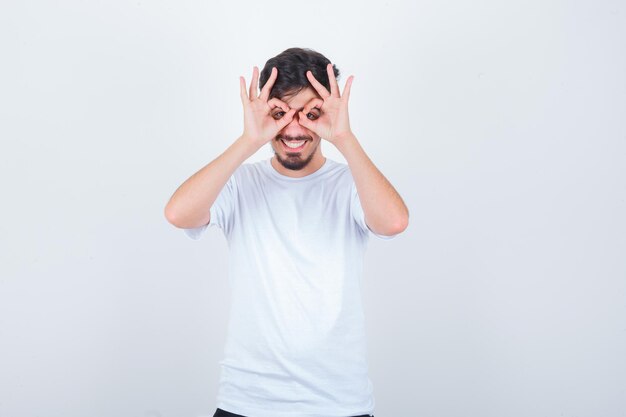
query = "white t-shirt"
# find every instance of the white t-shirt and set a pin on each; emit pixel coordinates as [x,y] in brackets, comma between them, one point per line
[296,342]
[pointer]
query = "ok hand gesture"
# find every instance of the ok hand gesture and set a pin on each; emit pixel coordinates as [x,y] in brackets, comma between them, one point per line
[259,126]
[333,123]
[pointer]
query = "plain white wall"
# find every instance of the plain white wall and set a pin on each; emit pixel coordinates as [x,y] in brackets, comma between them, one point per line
[502,125]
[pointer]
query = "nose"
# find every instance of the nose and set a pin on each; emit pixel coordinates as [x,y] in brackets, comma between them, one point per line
[296,117]
[294,125]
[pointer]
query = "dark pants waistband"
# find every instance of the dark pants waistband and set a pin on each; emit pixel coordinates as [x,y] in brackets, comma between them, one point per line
[223,413]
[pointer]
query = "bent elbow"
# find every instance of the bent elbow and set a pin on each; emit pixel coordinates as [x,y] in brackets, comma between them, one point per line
[402,224]
[169,215]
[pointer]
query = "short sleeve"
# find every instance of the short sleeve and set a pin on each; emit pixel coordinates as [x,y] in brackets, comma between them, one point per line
[359,216]
[221,212]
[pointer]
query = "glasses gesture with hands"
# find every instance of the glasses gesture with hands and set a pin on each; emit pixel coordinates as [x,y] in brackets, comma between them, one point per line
[259,126]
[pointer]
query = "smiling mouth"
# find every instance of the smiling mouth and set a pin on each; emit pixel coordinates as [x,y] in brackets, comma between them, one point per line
[299,145]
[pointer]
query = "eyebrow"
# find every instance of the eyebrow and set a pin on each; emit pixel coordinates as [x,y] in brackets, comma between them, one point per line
[300,109]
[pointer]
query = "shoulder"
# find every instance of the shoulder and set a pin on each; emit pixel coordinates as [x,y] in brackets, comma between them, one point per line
[249,171]
[338,168]
[340,173]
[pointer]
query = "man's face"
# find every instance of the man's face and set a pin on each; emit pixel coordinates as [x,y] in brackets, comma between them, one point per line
[298,158]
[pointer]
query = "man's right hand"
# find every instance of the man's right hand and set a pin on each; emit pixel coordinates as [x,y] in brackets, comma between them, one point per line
[259,124]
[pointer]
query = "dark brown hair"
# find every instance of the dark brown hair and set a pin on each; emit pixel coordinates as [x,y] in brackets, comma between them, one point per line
[292,65]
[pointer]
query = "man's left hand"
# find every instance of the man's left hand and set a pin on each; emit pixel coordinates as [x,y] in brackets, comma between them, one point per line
[333,123]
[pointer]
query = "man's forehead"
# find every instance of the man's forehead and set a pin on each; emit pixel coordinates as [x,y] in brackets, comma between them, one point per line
[304,96]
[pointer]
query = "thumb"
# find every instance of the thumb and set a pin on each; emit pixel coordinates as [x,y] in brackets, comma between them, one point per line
[286,119]
[304,121]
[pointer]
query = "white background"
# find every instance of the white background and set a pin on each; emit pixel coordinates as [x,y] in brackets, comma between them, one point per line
[501,124]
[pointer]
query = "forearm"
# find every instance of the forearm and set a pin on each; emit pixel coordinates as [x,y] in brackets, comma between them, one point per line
[189,206]
[385,212]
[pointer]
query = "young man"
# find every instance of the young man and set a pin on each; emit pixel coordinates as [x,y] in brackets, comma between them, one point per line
[297,225]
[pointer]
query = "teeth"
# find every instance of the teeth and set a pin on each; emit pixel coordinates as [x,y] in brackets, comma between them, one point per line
[294,144]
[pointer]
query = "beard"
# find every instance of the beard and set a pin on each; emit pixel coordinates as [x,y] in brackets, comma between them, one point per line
[294,160]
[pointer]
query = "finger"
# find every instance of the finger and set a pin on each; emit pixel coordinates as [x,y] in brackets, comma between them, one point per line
[265,93]
[321,90]
[304,121]
[286,119]
[254,83]
[346,89]
[275,102]
[242,90]
[334,88]
[314,102]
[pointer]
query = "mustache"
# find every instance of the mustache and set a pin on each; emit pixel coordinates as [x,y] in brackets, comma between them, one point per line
[295,138]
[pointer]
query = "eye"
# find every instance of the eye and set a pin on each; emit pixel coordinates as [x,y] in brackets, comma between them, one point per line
[315,116]
[278,115]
